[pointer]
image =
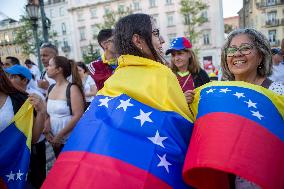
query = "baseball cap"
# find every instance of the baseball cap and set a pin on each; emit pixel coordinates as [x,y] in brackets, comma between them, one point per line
[179,43]
[275,51]
[19,70]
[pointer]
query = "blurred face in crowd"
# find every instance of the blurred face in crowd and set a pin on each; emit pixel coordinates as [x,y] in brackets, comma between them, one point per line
[242,56]
[51,69]
[277,58]
[181,59]
[108,46]
[46,54]
[7,63]
[81,72]
[18,81]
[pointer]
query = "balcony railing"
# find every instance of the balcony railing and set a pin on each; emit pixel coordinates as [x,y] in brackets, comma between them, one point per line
[66,49]
[272,23]
[275,43]
[265,3]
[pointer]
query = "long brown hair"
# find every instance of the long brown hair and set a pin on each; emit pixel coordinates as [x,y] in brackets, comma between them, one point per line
[193,64]
[69,67]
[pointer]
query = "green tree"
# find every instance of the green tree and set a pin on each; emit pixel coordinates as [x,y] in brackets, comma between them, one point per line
[192,13]
[91,54]
[228,28]
[24,36]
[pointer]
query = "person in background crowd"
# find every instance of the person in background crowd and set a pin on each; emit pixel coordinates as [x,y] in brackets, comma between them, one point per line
[1,63]
[11,100]
[246,56]
[10,61]
[20,77]
[104,67]
[278,65]
[47,51]
[90,88]
[186,67]
[65,101]
[33,69]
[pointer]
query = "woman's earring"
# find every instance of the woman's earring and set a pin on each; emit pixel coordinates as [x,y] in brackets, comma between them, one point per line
[141,49]
[260,66]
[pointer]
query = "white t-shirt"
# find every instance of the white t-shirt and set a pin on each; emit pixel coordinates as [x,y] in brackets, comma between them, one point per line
[87,87]
[35,71]
[6,114]
[278,72]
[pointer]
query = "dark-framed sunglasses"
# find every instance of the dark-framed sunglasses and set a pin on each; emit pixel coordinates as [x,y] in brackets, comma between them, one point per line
[244,49]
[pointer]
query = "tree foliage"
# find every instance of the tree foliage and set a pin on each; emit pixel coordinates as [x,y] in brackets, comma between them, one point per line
[228,28]
[193,17]
[91,54]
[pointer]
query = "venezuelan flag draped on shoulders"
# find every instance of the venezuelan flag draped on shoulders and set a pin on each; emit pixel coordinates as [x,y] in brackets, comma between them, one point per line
[15,147]
[134,135]
[239,129]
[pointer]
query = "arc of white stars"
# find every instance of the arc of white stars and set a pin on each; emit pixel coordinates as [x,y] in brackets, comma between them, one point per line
[239,95]
[19,174]
[11,176]
[124,104]
[104,101]
[225,90]
[251,104]
[143,117]
[157,139]
[210,91]
[257,114]
[164,163]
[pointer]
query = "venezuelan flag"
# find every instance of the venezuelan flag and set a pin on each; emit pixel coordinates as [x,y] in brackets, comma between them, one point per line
[134,134]
[15,149]
[239,129]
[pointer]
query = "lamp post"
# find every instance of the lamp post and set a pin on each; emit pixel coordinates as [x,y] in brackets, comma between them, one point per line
[44,20]
[32,11]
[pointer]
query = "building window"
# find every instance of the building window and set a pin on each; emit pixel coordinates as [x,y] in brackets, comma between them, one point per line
[155,18]
[80,15]
[93,12]
[95,31]
[152,3]
[51,13]
[61,11]
[82,33]
[171,36]
[272,36]
[271,2]
[271,18]
[169,2]
[107,10]
[204,15]
[206,38]
[63,28]
[187,19]
[13,35]
[6,37]
[65,43]
[136,5]
[121,8]
[170,19]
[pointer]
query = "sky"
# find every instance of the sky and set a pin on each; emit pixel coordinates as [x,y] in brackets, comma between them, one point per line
[15,8]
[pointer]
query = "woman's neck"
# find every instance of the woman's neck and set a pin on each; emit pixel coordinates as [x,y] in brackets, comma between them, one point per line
[183,69]
[253,79]
[60,80]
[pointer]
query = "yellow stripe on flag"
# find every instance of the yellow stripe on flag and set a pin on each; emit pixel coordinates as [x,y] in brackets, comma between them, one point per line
[24,121]
[149,82]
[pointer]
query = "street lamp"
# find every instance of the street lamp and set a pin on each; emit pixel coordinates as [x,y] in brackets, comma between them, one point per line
[32,11]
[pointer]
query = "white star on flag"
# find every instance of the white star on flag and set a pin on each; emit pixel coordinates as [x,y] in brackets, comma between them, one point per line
[210,91]
[224,90]
[104,101]
[19,174]
[239,95]
[124,104]
[164,162]
[11,176]
[143,117]
[157,139]
[257,114]
[251,104]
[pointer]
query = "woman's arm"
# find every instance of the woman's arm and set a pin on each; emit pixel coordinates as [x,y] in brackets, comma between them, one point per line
[77,105]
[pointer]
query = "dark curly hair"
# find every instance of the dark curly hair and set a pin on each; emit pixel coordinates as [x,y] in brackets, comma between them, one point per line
[126,27]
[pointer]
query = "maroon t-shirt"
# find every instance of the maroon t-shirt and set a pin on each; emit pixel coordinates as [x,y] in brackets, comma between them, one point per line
[189,85]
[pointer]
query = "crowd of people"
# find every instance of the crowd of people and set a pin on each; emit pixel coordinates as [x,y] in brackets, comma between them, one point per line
[65,89]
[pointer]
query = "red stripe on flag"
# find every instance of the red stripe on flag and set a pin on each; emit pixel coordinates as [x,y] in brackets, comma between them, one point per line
[224,142]
[79,170]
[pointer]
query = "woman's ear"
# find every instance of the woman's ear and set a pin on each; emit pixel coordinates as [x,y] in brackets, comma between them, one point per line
[138,41]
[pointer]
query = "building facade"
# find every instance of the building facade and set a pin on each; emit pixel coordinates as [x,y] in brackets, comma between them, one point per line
[233,21]
[8,47]
[85,15]
[266,16]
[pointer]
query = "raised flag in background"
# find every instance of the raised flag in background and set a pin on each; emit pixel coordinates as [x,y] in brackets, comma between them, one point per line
[132,135]
[239,129]
[15,148]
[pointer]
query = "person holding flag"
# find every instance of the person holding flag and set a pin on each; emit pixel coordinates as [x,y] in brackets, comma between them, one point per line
[239,142]
[136,131]
[18,129]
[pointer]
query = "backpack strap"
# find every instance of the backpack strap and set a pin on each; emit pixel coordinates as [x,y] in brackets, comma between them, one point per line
[49,90]
[266,83]
[68,96]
